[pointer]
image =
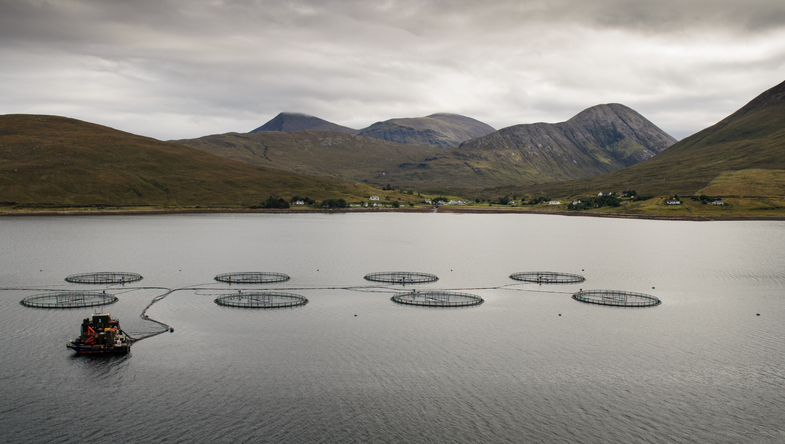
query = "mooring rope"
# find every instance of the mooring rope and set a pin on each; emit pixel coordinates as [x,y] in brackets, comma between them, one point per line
[147,318]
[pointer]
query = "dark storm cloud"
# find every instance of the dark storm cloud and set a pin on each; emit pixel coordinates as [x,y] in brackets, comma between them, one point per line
[184,68]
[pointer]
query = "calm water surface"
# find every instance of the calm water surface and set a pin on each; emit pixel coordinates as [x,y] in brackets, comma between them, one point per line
[528,365]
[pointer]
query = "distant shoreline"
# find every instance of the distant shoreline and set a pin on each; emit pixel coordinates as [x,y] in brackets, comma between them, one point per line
[455,210]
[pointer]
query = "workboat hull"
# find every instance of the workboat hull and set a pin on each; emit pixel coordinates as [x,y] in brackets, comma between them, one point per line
[96,349]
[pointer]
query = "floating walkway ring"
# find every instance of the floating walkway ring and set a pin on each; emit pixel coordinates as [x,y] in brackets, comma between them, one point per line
[252,277]
[104,277]
[616,298]
[437,298]
[548,277]
[263,299]
[69,299]
[401,277]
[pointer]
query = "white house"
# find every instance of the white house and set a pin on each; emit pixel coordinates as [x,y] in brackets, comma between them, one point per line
[673,201]
[554,202]
[373,198]
[718,202]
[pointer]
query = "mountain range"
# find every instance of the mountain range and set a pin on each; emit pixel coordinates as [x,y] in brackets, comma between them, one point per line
[598,140]
[57,161]
[440,130]
[742,155]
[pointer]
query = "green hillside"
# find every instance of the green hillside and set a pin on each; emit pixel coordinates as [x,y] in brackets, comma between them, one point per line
[742,155]
[55,161]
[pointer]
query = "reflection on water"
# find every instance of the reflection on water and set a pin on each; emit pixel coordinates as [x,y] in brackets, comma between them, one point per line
[529,364]
[100,366]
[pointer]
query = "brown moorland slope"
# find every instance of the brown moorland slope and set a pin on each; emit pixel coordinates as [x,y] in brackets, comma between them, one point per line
[57,161]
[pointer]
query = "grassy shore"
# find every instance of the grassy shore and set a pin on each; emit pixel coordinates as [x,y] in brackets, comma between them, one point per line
[747,208]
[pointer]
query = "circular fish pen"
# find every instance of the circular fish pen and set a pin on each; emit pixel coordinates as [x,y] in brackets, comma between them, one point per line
[547,277]
[401,277]
[252,277]
[69,299]
[104,277]
[267,299]
[616,298]
[437,299]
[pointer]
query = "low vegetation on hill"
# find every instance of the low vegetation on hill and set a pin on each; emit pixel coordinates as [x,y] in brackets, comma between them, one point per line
[48,161]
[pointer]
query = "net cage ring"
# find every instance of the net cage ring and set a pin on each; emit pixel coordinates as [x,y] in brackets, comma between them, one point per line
[264,299]
[252,277]
[401,277]
[437,298]
[616,298]
[69,299]
[104,277]
[547,277]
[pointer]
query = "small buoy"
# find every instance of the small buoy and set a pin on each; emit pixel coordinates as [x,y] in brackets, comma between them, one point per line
[171,329]
[758,314]
[652,288]
[559,314]
[355,316]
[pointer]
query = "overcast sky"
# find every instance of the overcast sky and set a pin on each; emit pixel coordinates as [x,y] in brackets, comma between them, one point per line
[173,69]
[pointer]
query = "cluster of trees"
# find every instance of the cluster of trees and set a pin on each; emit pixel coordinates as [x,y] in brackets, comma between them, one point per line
[273,202]
[504,200]
[633,195]
[537,200]
[609,200]
[334,203]
[439,199]
[704,199]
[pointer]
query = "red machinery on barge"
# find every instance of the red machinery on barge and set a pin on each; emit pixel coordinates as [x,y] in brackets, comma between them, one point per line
[101,334]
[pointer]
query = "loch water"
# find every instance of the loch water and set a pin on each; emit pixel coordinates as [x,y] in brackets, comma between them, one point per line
[528,365]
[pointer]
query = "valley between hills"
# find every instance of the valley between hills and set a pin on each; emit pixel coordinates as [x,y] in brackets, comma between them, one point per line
[296,162]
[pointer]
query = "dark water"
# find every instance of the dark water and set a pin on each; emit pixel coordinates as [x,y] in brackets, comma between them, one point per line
[528,365]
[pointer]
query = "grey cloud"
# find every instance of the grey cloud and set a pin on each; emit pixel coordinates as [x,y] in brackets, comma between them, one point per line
[203,63]
[86,19]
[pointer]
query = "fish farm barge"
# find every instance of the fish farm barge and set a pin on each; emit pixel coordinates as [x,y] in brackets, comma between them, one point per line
[101,334]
